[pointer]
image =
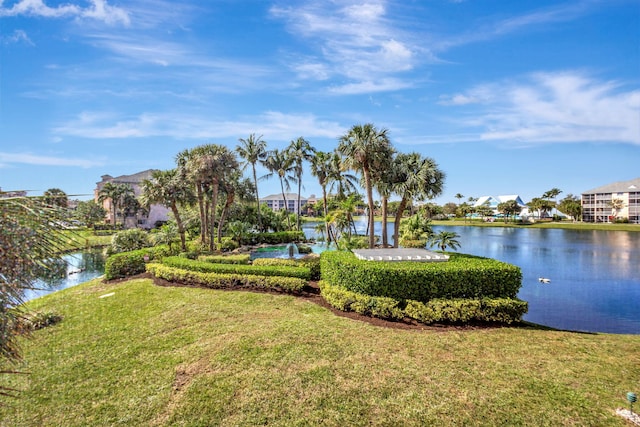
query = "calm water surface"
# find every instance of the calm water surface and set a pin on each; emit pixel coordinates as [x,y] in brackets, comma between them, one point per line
[80,267]
[595,275]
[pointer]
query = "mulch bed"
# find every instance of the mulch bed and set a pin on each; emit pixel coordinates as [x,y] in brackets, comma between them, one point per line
[311,293]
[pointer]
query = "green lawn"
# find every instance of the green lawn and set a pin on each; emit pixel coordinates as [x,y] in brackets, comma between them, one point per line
[152,355]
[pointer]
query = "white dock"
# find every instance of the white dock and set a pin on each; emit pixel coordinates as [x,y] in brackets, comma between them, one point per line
[400,254]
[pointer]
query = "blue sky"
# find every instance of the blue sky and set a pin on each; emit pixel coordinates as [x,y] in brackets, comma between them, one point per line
[509,97]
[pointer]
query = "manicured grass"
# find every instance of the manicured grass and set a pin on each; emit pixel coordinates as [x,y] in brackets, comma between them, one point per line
[152,355]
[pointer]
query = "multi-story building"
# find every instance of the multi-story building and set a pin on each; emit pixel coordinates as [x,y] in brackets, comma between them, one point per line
[612,201]
[143,218]
[276,202]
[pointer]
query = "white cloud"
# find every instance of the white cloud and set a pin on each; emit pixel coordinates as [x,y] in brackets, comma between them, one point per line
[355,40]
[271,124]
[555,107]
[17,37]
[98,10]
[40,160]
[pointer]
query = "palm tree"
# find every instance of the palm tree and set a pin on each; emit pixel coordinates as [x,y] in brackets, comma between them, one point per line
[366,148]
[418,179]
[342,182]
[552,194]
[31,243]
[445,239]
[321,168]
[298,151]
[115,194]
[206,166]
[166,188]
[459,196]
[253,150]
[279,163]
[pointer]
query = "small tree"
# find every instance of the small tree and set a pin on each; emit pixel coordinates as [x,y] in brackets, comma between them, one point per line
[508,208]
[571,206]
[445,239]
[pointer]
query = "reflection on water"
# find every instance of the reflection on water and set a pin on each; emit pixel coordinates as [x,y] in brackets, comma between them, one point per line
[74,268]
[595,276]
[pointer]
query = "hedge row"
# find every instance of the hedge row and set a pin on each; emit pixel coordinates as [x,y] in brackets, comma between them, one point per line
[463,276]
[312,263]
[278,237]
[222,280]
[127,264]
[226,259]
[502,310]
[209,267]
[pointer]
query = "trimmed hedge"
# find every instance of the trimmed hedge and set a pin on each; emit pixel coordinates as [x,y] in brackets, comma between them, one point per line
[312,263]
[127,264]
[502,310]
[463,276]
[226,259]
[279,237]
[209,267]
[221,281]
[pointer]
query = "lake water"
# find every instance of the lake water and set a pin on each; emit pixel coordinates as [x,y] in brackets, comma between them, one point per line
[80,267]
[595,275]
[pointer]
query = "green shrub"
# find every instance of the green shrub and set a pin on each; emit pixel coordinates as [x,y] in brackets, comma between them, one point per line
[129,240]
[226,259]
[280,237]
[127,264]
[311,262]
[209,267]
[463,276]
[226,280]
[226,244]
[501,310]
[407,243]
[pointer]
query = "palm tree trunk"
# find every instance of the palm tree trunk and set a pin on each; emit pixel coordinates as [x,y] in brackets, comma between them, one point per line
[324,203]
[203,222]
[255,181]
[286,207]
[212,226]
[396,231]
[176,215]
[385,240]
[298,210]
[367,183]
[223,216]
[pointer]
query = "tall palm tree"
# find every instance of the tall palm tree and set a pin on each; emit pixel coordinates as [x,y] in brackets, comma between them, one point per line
[166,188]
[552,194]
[418,179]
[366,148]
[115,194]
[384,181]
[253,150]
[321,168]
[279,163]
[299,151]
